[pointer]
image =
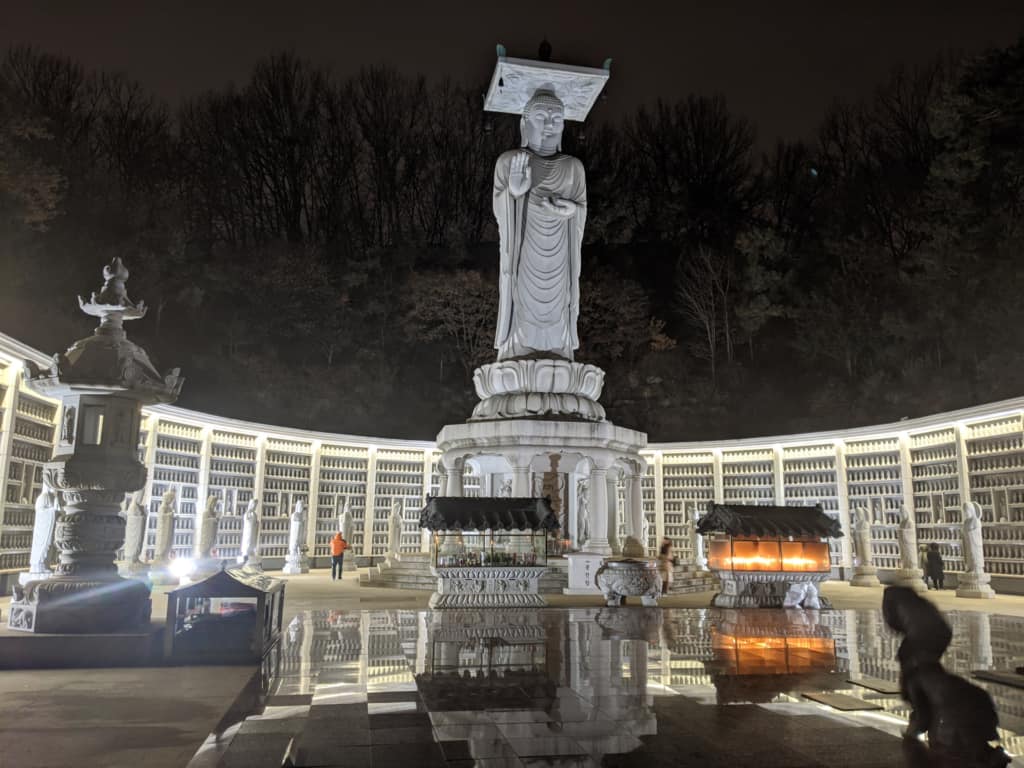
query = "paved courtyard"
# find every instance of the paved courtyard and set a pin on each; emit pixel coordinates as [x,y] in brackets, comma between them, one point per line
[370,676]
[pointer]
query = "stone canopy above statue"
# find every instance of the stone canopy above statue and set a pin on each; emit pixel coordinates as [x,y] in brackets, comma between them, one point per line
[515,81]
[488,514]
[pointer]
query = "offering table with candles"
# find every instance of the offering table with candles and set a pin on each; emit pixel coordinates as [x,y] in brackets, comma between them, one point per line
[767,556]
[488,552]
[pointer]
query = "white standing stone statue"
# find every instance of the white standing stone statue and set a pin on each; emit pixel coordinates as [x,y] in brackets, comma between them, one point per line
[345,525]
[864,573]
[395,530]
[297,560]
[973,582]
[165,528]
[136,519]
[250,554]
[582,513]
[910,573]
[540,202]
[207,533]
[47,508]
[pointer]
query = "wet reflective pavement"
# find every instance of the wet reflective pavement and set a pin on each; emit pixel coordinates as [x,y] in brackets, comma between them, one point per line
[626,686]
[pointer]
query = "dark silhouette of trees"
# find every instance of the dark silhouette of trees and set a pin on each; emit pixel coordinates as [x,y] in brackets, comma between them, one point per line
[317,250]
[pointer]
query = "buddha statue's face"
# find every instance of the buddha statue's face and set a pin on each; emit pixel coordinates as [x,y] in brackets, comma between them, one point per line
[542,124]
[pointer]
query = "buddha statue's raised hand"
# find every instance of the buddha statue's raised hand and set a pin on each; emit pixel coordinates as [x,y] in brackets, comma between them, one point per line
[519,179]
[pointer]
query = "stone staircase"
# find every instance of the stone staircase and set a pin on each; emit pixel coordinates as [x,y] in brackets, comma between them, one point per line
[690,578]
[412,571]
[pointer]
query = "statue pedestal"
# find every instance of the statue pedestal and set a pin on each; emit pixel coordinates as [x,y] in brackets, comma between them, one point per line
[911,577]
[583,567]
[976,585]
[25,578]
[68,606]
[252,562]
[524,389]
[348,563]
[296,564]
[865,576]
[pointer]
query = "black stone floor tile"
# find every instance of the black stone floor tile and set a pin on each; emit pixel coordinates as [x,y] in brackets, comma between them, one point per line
[529,730]
[546,746]
[402,736]
[399,720]
[477,749]
[559,761]
[473,732]
[290,699]
[496,762]
[290,725]
[380,696]
[425,756]
[519,716]
[315,756]
[259,750]
[463,717]
[326,731]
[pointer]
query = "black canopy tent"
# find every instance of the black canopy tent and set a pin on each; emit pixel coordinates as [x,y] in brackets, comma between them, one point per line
[451,513]
[753,521]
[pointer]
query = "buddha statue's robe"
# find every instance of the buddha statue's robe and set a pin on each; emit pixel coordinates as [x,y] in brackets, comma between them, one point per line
[539,296]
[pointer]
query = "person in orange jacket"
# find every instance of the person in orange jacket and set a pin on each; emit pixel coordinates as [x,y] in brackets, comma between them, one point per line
[338,547]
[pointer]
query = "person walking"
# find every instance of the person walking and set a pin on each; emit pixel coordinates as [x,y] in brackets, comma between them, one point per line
[665,565]
[935,567]
[338,547]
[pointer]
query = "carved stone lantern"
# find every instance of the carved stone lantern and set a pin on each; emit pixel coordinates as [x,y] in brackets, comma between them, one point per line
[102,382]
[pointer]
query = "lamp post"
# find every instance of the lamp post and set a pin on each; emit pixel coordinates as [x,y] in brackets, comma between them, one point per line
[102,382]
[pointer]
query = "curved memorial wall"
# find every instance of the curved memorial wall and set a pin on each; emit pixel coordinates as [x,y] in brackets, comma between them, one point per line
[930,466]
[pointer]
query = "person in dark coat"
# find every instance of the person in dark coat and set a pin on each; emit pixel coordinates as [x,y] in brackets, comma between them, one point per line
[935,567]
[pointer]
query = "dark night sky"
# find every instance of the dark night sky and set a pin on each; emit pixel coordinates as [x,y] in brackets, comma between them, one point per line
[778,63]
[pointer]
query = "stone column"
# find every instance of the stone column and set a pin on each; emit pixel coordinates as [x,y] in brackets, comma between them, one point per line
[454,479]
[634,546]
[598,506]
[521,478]
[613,515]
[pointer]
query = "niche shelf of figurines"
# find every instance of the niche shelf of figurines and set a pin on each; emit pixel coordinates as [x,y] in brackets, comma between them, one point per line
[33,429]
[748,477]
[399,477]
[809,477]
[935,482]
[343,475]
[873,477]
[688,484]
[232,479]
[176,460]
[648,498]
[287,469]
[995,463]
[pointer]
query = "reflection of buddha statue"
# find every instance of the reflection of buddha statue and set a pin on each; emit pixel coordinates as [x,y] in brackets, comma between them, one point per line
[540,202]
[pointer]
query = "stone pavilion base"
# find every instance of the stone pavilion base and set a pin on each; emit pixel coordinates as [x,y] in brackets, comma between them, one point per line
[865,576]
[762,589]
[488,587]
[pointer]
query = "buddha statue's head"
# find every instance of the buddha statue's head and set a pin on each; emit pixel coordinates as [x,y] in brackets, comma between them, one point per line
[542,123]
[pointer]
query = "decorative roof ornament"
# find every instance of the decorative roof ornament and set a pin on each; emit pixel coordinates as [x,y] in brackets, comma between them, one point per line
[515,81]
[107,359]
